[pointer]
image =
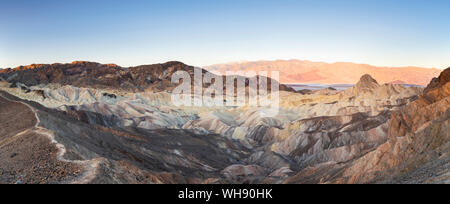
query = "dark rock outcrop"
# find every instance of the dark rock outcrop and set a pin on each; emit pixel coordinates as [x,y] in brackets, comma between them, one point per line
[156,77]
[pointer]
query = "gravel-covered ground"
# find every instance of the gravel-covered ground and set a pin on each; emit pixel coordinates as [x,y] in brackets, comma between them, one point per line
[25,155]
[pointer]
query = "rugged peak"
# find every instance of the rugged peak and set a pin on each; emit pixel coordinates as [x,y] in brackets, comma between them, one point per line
[83,62]
[366,83]
[367,79]
[31,66]
[445,76]
[443,79]
[88,63]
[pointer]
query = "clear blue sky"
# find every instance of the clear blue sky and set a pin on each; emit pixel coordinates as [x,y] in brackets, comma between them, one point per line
[203,32]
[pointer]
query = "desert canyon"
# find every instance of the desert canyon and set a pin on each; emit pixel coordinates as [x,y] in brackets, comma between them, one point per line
[86,122]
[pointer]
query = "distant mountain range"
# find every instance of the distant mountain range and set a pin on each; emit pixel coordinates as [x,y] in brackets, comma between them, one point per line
[307,72]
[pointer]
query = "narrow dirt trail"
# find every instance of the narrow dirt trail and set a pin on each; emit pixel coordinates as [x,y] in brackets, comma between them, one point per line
[90,167]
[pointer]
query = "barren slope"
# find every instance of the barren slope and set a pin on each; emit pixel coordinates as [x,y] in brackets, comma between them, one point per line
[26,156]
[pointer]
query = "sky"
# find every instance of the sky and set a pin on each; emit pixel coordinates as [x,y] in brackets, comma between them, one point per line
[205,32]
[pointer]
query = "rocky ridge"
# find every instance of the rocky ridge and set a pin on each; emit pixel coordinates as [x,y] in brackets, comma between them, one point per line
[145,78]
